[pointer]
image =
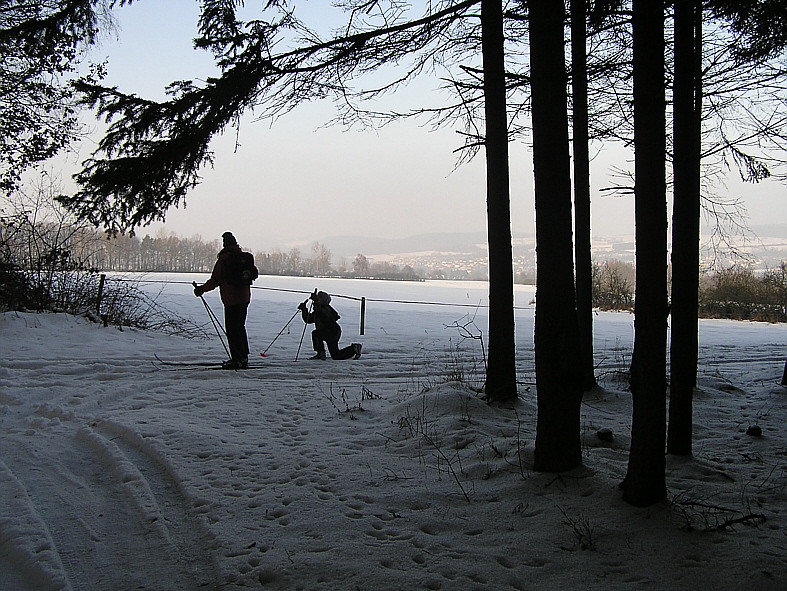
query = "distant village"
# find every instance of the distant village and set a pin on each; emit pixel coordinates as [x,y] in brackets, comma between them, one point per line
[759,255]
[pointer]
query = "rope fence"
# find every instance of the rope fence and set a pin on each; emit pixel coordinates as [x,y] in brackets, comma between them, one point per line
[336,295]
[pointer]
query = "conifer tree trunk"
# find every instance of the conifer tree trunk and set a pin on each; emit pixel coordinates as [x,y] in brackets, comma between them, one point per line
[557,356]
[685,223]
[501,369]
[645,481]
[582,254]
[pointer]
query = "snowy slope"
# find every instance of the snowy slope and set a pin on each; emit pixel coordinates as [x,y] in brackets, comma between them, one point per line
[120,473]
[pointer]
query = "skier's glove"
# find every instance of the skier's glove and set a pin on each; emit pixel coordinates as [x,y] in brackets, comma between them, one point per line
[198,291]
[302,306]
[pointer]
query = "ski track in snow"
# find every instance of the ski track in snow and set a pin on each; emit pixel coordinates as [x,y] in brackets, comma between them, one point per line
[117,472]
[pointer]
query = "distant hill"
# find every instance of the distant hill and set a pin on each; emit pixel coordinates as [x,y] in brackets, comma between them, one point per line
[473,245]
[770,230]
[470,243]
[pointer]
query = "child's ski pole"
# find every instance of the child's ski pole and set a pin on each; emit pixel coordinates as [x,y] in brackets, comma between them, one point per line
[280,333]
[302,335]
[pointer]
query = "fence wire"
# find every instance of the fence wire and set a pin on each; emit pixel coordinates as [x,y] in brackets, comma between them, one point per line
[347,297]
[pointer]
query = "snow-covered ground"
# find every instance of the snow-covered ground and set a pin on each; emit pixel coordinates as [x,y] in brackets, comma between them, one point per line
[120,473]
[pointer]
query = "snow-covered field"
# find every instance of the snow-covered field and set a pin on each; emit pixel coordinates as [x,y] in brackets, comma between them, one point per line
[120,473]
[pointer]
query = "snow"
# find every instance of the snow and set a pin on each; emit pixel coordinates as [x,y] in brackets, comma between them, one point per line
[120,473]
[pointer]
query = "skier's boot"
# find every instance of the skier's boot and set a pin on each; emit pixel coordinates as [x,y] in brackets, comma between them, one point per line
[236,363]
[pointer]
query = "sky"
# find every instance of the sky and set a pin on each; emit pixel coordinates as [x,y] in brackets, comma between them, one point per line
[297,181]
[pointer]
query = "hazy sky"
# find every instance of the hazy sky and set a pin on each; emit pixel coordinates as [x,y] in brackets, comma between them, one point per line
[296,181]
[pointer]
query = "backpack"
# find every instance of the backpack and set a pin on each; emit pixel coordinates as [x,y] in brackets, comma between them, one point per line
[239,269]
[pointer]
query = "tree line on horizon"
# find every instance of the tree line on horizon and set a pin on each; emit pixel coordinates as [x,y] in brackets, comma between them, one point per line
[170,253]
[38,234]
[710,96]
[39,244]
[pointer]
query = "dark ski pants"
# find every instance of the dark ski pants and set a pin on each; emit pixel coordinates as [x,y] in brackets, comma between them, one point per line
[332,340]
[235,325]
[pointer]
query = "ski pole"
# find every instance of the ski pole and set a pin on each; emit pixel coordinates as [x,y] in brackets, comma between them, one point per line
[302,335]
[280,333]
[215,321]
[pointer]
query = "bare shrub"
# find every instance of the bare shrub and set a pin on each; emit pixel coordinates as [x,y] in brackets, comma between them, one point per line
[741,294]
[584,531]
[613,285]
[701,513]
[45,258]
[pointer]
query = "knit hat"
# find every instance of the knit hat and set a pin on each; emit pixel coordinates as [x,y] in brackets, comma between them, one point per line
[229,239]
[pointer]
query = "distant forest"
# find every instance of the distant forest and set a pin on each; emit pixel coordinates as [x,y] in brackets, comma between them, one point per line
[170,253]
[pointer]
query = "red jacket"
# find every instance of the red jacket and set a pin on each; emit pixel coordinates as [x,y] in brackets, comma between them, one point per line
[231,295]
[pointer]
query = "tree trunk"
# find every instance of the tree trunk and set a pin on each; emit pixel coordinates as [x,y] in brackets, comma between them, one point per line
[685,223]
[645,481]
[584,264]
[558,372]
[501,369]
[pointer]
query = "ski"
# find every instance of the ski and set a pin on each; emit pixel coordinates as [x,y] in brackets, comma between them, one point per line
[182,365]
[179,367]
[199,364]
[188,363]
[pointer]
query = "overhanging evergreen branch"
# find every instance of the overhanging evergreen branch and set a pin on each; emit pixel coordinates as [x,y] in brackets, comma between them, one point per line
[152,153]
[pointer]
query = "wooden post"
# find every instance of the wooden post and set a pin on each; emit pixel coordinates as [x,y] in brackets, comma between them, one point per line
[363,315]
[100,294]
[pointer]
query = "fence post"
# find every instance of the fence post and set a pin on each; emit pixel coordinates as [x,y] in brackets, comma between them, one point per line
[363,315]
[101,280]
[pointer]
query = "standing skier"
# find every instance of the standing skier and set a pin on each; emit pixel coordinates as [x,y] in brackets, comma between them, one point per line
[235,296]
[326,328]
